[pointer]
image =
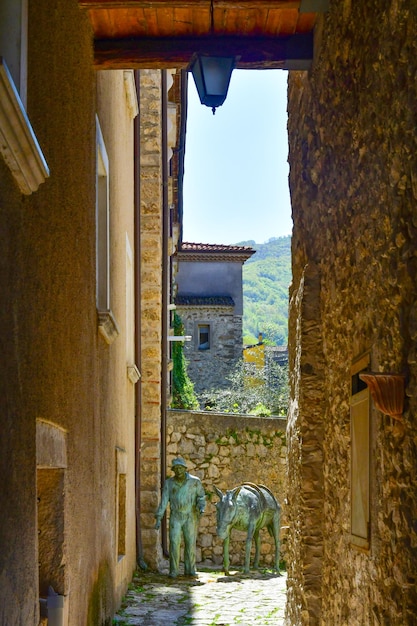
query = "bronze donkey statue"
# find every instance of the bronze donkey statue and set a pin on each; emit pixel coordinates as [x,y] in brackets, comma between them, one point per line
[248,507]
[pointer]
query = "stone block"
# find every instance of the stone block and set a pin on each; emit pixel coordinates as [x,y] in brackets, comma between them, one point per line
[149,500]
[205,540]
[151,450]
[175,436]
[213,472]
[149,537]
[212,448]
[150,481]
[151,393]
[148,520]
[151,428]
[186,446]
[250,449]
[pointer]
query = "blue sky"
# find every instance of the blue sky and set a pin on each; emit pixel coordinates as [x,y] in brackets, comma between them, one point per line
[236,170]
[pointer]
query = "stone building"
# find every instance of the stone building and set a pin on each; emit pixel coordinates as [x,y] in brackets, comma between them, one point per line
[352,425]
[209,301]
[78,488]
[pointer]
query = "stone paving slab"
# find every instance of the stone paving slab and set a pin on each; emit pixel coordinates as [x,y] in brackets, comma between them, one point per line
[211,599]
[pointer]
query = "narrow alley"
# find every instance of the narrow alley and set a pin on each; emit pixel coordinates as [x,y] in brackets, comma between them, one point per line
[211,599]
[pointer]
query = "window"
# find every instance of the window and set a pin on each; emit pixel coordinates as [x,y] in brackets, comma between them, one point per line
[13,42]
[102,223]
[19,146]
[204,337]
[360,457]
[107,324]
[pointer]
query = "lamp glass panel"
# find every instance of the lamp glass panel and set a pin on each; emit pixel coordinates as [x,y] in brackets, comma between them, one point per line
[212,77]
[217,72]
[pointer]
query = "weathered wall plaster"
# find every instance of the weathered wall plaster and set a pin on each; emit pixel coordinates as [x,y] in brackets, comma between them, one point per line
[55,367]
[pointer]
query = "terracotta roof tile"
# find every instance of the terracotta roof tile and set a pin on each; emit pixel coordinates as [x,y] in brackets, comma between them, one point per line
[213,247]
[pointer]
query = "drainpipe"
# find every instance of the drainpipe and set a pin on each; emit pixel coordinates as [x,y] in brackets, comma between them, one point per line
[181,148]
[138,329]
[165,291]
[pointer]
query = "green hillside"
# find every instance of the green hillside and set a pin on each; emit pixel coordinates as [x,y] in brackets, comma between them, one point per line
[266,278]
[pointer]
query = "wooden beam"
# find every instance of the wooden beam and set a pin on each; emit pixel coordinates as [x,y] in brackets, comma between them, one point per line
[295,52]
[190,4]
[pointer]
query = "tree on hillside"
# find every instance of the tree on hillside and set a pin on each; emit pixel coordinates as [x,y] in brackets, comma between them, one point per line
[266,278]
[183,395]
[252,391]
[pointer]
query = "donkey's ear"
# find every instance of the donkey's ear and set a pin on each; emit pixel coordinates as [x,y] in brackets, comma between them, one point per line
[235,492]
[219,493]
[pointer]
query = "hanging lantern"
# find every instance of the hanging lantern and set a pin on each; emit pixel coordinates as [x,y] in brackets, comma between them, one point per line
[212,77]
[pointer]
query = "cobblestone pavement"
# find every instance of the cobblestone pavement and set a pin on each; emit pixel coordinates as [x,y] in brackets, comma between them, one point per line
[211,599]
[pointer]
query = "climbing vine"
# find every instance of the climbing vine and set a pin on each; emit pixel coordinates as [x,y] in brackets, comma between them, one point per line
[183,395]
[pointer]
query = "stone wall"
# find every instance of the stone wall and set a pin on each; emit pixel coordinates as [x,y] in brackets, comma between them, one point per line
[305,449]
[353,186]
[151,304]
[227,450]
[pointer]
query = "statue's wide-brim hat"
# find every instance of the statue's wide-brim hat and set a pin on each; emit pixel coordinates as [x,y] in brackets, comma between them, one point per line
[178,461]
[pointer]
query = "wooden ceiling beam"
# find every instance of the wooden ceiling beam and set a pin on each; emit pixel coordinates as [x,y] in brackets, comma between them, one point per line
[190,4]
[295,52]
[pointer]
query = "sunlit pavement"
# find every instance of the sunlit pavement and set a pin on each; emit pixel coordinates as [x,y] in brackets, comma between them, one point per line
[212,599]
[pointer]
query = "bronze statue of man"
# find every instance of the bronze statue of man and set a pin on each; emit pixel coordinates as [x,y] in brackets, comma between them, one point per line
[187,501]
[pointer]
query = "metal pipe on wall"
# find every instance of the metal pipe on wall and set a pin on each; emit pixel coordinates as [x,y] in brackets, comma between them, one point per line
[181,148]
[138,330]
[165,289]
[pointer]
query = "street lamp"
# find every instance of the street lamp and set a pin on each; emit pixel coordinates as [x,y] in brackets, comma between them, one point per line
[212,77]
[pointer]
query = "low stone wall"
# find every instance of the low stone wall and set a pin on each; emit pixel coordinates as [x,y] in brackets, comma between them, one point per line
[226,450]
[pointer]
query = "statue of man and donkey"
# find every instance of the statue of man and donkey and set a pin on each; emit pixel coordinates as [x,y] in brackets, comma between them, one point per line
[246,507]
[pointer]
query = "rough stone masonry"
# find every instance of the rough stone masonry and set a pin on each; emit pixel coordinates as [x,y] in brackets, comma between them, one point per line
[226,450]
[353,179]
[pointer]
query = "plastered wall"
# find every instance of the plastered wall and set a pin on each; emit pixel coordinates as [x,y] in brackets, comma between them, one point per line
[55,367]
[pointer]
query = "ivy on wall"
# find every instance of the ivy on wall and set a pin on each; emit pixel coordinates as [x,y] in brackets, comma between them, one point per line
[183,396]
